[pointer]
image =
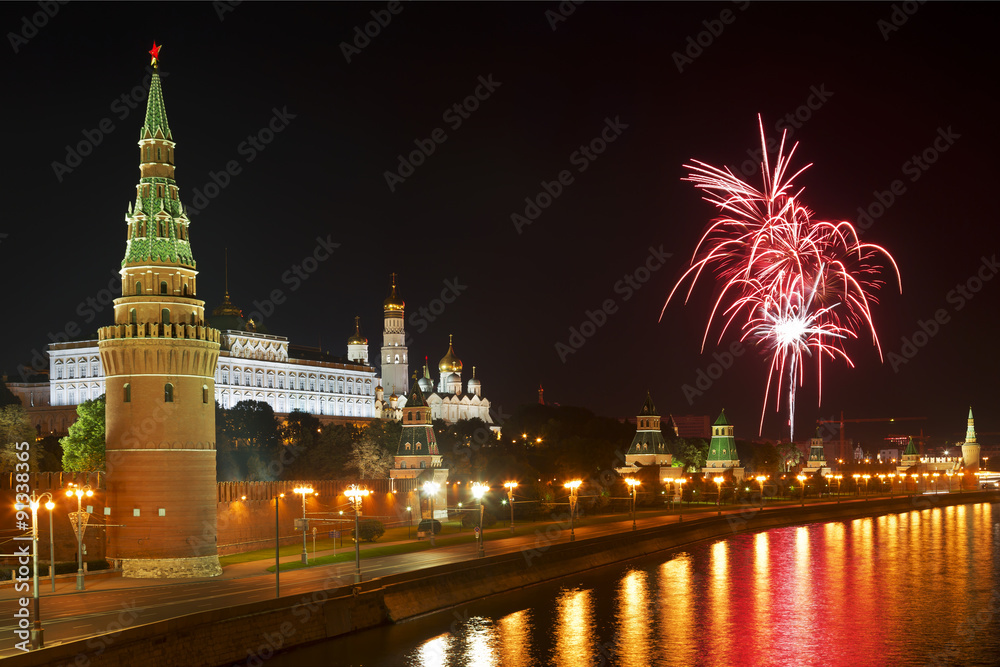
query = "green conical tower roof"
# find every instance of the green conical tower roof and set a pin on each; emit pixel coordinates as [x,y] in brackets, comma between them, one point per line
[648,409]
[156,113]
[911,449]
[722,421]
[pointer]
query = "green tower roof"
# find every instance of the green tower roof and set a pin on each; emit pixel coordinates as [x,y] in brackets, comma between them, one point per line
[156,113]
[722,421]
[911,449]
[648,409]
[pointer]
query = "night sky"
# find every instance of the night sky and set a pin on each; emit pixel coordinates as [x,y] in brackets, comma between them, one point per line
[880,94]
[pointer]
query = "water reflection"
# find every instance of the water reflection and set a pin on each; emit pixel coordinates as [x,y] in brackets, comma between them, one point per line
[573,636]
[917,588]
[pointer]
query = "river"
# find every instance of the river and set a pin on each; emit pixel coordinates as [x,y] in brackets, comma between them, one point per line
[919,588]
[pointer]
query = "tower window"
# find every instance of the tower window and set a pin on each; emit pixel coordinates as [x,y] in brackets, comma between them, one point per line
[185,289]
[204,393]
[132,316]
[138,288]
[157,153]
[163,287]
[127,393]
[147,153]
[168,393]
[165,315]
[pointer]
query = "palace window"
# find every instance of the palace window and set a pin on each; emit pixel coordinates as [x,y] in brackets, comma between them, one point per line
[59,372]
[225,376]
[312,384]
[260,379]
[281,382]
[72,396]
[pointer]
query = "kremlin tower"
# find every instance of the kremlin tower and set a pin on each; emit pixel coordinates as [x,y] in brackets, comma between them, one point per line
[159,359]
[970,449]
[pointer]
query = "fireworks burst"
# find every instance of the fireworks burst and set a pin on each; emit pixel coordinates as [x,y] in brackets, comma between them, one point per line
[798,286]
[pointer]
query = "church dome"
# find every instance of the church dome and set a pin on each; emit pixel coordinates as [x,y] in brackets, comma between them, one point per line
[226,316]
[450,363]
[357,338]
[474,382]
[393,302]
[425,385]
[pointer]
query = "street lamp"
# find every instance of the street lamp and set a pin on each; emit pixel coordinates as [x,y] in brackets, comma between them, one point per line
[718,501]
[37,633]
[803,478]
[478,491]
[867,477]
[926,475]
[857,484]
[950,475]
[680,494]
[915,478]
[430,489]
[572,486]
[304,491]
[760,480]
[409,521]
[355,494]
[510,486]
[892,481]
[79,492]
[633,483]
[52,545]
[934,479]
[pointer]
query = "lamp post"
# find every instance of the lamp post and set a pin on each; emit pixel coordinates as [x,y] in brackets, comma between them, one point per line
[37,633]
[760,480]
[915,478]
[430,489]
[892,481]
[304,491]
[510,486]
[277,548]
[926,475]
[409,522]
[478,491]
[857,483]
[718,501]
[838,478]
[950,474]
[934,479]
[867,477]
[52,545]
[355,494]
[802,479]
[633,483]
[79,492]
[572,486]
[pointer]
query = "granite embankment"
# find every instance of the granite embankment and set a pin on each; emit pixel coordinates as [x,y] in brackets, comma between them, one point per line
[249,634]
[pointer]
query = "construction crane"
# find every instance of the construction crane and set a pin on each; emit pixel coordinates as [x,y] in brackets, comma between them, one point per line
[843,443]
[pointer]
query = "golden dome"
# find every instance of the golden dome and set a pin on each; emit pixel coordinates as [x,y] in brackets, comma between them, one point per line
[357,338]
[393,302]
[450,363]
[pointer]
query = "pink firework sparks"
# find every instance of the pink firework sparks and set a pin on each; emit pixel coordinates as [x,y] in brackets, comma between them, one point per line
[798,286]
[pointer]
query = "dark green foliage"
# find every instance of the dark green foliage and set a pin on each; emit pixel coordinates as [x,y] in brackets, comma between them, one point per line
[83,448]
[369,529]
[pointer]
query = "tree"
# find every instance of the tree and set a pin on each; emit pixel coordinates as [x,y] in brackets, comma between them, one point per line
[369,530]
[691,452]
[370,458]
[789,454]
[247,441]
[83,448]
[15,428]
[7,397]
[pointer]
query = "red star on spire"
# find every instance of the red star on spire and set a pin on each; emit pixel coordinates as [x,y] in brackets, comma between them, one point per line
[155,52]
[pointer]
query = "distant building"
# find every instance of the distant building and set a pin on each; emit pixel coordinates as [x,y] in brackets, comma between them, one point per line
[816,462]
[692,426]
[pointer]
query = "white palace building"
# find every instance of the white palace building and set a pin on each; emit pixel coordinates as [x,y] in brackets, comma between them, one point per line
[259,366]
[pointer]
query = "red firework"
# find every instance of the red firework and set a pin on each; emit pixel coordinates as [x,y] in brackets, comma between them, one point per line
[797,285]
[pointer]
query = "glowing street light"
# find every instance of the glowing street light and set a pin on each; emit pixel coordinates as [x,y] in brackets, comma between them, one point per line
[478,491]
[572,486]
[510,486]
[950,474]
[934,479]
[304,491]
[52,544]
[803,478]
[355,494]
[718,501]
[277,548]
[37,633]
[633,483]
[430,490]
[680,481]
[867,477]
[892,480]
[409,522]
[79,492]
[760,480]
